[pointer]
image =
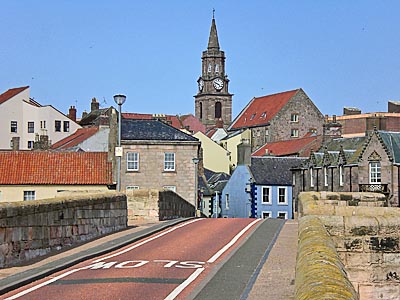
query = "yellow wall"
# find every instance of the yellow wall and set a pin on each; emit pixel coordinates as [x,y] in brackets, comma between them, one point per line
[215,157]
[231,143]
[11,193]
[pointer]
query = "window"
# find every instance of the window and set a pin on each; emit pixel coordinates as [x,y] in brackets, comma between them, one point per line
[293,179]
[30,144]
[217,68]
[132,161]
[282,195]
[252,116]
[266,195]
[201,110]
[341,175]
[66,126]
[42,124]
[266,132]
[311,177]
[218,109]
[325,176]
[170,187]
[209,68]
[29,195]
[375,172]
[31,127]
[57,126]
[14,126]
[282,215]
[263,115]
[294,118]
[226,201]
[169,161]
[132,187]
[294,133]
[266,214]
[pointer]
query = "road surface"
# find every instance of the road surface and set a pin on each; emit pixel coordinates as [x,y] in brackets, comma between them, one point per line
[200,258]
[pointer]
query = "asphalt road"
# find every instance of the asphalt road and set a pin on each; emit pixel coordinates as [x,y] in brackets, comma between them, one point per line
[201,259]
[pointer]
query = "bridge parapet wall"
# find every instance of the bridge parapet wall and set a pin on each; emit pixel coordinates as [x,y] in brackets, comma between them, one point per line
[29,229]
[366,238]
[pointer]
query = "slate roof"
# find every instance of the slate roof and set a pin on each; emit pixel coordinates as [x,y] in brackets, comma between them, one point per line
[57,168]
[76,138]
[261,110]
[392,142]
[301,147]
[90,118]
[11,93]
[132,129]
[273,170]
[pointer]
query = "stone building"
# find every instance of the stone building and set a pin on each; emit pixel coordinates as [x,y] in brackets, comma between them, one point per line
[368,164]
[283,116]
[213,101]
[158,156]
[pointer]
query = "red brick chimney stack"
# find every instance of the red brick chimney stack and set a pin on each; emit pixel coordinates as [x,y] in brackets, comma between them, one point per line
[72,113]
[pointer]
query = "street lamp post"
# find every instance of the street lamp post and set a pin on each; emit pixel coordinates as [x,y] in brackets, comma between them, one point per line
[196,162]
[119,100]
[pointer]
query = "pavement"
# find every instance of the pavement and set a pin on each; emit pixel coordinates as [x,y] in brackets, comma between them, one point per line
[277,269]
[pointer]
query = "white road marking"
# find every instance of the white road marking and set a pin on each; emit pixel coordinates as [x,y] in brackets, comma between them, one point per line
[196,273]
[148,240]
[234,240]
[184,284]
[83,268]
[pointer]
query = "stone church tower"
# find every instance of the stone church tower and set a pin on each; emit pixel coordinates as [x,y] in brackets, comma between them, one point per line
[213,101]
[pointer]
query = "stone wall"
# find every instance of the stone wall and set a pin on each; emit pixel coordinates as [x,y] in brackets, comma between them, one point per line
[366,237]
[29,229]
[320,273]
[157,205]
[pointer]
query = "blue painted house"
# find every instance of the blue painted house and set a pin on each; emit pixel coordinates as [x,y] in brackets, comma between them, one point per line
[262,189]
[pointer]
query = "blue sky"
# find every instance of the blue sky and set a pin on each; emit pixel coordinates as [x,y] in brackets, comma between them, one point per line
[342,53]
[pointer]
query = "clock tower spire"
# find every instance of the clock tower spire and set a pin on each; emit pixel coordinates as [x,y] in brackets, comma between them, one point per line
[213,101]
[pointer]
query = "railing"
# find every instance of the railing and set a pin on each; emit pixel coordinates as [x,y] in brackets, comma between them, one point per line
[375,188]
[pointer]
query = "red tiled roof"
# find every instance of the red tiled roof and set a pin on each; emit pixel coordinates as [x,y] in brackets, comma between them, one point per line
[55,168]
[11,93]
[261,110]
[301,147]
[76,138]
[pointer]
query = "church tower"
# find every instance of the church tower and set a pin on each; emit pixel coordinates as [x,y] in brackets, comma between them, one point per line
[213,101]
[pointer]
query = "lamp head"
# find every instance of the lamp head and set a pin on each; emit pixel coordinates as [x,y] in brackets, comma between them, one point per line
[119,99]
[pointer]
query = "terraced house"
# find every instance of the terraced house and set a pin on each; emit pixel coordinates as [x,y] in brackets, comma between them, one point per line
[369,163]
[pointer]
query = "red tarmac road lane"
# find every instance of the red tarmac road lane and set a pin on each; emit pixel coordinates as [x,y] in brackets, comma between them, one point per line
[168,265]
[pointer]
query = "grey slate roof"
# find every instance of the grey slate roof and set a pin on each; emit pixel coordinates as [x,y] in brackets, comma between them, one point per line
[273,170]
[133,129]
[392,143]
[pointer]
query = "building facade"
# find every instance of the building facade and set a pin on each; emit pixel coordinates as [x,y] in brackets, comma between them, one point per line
[213,101]
[23,120]
[157,155]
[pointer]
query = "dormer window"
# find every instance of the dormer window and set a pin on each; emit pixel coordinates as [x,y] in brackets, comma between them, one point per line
[252,116]
[263,115]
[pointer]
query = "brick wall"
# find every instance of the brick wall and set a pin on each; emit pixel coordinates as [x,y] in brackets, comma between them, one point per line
[33,228]
[155,205]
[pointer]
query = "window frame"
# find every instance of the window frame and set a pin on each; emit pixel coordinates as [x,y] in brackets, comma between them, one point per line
[285,195]
[169,164]
[30,144]
[66,126]
[374,167]
[31,127]
[282,212]
[294,133]
[266,212]
[132,161]
[263,194]
[29,195]
[294,118]
[14,127]
[57,125]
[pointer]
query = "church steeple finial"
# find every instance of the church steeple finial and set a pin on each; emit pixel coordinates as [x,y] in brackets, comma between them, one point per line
[213,43]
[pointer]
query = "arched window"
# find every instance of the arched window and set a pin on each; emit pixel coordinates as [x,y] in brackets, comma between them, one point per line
[218,109]
[201,110]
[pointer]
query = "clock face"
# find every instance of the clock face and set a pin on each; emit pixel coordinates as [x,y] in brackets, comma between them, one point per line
[201,85]
[218,84]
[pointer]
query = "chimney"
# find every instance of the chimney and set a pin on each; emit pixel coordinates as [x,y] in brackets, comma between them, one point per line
[394,106]
[84,114]
[72,113]
[42,143]
[94,105]
[332,129]
[15,143]
[244,153]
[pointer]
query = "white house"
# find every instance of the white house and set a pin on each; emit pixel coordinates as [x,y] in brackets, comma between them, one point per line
[22,120]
